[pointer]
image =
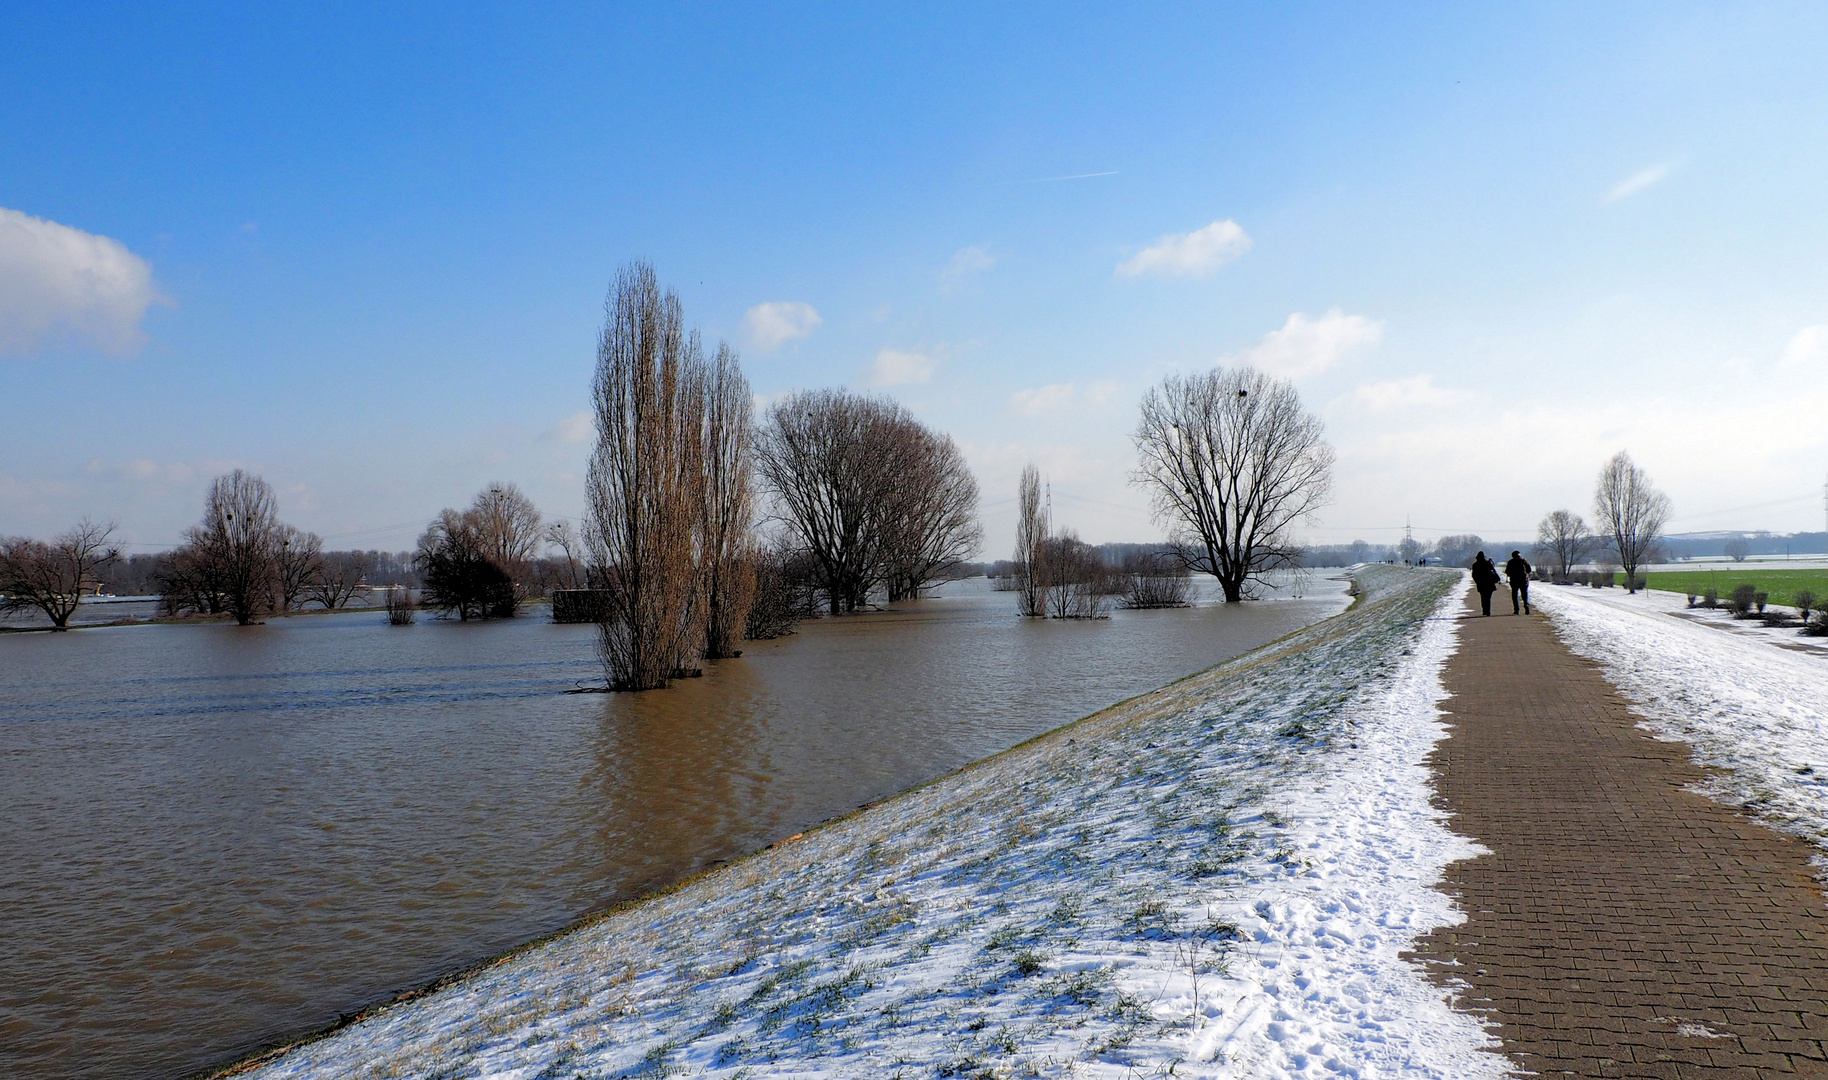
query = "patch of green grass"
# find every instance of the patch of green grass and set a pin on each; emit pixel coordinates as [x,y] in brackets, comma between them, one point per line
[1782,585]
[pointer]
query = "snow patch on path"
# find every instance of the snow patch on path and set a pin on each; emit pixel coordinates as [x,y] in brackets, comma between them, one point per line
[1217,879]
[1747,706]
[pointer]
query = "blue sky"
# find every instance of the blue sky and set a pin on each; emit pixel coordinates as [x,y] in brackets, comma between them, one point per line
[365,254]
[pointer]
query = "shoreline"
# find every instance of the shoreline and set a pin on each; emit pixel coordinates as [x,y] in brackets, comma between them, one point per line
[987,803]
[590,919]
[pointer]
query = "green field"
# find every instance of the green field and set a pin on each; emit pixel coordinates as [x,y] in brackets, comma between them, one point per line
[1781,584]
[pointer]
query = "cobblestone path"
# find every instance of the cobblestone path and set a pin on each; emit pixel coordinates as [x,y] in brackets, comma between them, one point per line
[1622,925]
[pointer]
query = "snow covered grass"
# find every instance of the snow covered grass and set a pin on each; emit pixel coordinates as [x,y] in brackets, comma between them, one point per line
[1216,879]
[1749,700]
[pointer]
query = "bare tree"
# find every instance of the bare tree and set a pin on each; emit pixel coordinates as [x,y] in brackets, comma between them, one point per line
[872,495]
[1232,461]
[1458,550]
[298,563]
[564,536]
[1631,511]
[456,561]
[823,455]
[784,591]
[53,577]
[645,487]
[1737,549]
[727,563]
[1032,528]
[508,527]
[930,522]
[229,562]
[342,573]
[1562,540]
[1156,580]
[1075,578]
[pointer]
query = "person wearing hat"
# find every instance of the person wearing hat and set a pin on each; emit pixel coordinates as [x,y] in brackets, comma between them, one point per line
[1519,572]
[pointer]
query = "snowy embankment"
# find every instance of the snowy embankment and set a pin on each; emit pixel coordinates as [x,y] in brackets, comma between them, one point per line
[1219,876]
[1747,704]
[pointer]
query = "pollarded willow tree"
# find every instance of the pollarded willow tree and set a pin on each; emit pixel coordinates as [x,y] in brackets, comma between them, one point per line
[1232,461]
[645,487]
[1631,511]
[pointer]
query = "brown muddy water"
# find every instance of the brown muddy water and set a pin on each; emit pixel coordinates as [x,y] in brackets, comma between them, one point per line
[218,837]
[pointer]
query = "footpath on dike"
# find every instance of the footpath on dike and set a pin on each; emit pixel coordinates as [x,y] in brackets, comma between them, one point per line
[1621,924]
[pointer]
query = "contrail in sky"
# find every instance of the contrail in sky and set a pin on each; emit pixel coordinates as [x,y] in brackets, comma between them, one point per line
[1075,176]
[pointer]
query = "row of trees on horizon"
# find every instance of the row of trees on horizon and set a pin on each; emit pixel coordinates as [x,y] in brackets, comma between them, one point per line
[706,524]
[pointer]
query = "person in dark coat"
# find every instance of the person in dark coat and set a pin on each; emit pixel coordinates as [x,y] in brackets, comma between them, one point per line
[1485,579]
[1519,573]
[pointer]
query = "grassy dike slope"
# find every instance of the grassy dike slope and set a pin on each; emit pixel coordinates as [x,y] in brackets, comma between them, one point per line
[1216,877]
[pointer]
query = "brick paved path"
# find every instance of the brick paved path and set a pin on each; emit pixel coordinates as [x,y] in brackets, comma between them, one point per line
[1622,926]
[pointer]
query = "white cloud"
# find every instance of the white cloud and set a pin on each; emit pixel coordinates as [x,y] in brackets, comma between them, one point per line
[1307,346]
[1637,182]
[767,327]
[1053,397]
[1041,399]
[1418,391]
[1191,254]
[1807,350]
[59,282]
[970,260]
[579,427]
[893,368]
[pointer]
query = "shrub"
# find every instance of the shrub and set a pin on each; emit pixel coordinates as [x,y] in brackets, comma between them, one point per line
[401,610]
[1710,598]
[1740,601]
[1759,599]
[1804,600]
[1817,625]
[1155,581]
[1691,599]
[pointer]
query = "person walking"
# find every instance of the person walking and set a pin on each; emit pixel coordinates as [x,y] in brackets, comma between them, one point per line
[1519,572]
[1485,579]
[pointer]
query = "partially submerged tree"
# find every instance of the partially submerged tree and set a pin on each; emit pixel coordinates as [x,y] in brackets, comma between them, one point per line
[1156,580]
[229,563]
[822,455]
[1631,511]
[54,576]
[1032,528]
[873,496]
[564,536]
[728,516]
[1562,540]
[931,521]
[1737,549]
[785,592]
[341,574]
[508,528]
[645,487]
[1075,575]
[298,564]
[456,563]
[1232,461]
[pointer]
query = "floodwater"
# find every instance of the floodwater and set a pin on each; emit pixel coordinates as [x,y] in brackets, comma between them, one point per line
[217,837]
